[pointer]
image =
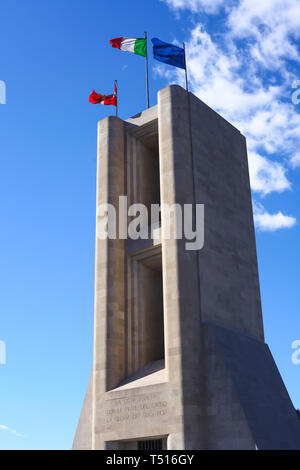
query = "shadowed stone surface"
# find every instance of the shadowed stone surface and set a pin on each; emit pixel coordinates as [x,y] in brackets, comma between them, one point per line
[269,412]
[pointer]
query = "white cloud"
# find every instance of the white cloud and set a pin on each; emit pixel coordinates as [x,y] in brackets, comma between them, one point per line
[247,16]
[241,72]
[265,175]
[267,222]
[17,434]
[295,160]
[209,6]
[272,24]
[271,126]
[11,431]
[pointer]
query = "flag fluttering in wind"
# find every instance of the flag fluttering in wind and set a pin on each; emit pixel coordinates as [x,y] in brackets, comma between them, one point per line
[168,53]
[95,98]
[134,45]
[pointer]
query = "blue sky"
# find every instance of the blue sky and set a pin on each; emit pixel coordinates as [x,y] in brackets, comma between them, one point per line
[243,57]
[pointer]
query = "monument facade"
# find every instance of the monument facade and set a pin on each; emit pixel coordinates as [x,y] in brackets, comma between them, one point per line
[180,360]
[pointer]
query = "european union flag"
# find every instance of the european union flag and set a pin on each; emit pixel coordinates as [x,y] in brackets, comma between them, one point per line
[168,53]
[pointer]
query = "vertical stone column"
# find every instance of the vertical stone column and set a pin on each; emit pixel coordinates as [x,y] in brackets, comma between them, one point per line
[109,364]
[180,271]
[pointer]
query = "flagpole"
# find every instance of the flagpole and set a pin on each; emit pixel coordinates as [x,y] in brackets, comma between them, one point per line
[147,79]
[116,87]
[186,75]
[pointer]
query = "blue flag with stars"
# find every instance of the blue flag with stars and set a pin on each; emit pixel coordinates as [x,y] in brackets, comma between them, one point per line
[168,53]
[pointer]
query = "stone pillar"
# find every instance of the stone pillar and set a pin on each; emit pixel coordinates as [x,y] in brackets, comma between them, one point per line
[180,269]
[109,273]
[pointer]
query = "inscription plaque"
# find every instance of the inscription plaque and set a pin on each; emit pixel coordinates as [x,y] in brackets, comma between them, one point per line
[134,408]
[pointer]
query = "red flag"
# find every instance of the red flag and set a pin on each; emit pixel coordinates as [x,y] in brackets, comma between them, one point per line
[116,42]
[104,99]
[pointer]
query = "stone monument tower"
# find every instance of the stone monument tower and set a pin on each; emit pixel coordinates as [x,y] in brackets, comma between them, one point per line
[180,360]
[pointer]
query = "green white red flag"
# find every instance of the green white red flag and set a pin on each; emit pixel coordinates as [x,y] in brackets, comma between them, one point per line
[134,45]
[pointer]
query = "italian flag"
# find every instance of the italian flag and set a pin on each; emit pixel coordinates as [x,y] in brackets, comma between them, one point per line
[135,45]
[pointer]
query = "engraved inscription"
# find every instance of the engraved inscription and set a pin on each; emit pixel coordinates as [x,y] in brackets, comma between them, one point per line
[139,407]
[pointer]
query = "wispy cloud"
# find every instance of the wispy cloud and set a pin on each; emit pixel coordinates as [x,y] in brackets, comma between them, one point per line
[241,72]
[295,160]
[209,6]
[267,222]
[267,176]
[3,427]
[273,24]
